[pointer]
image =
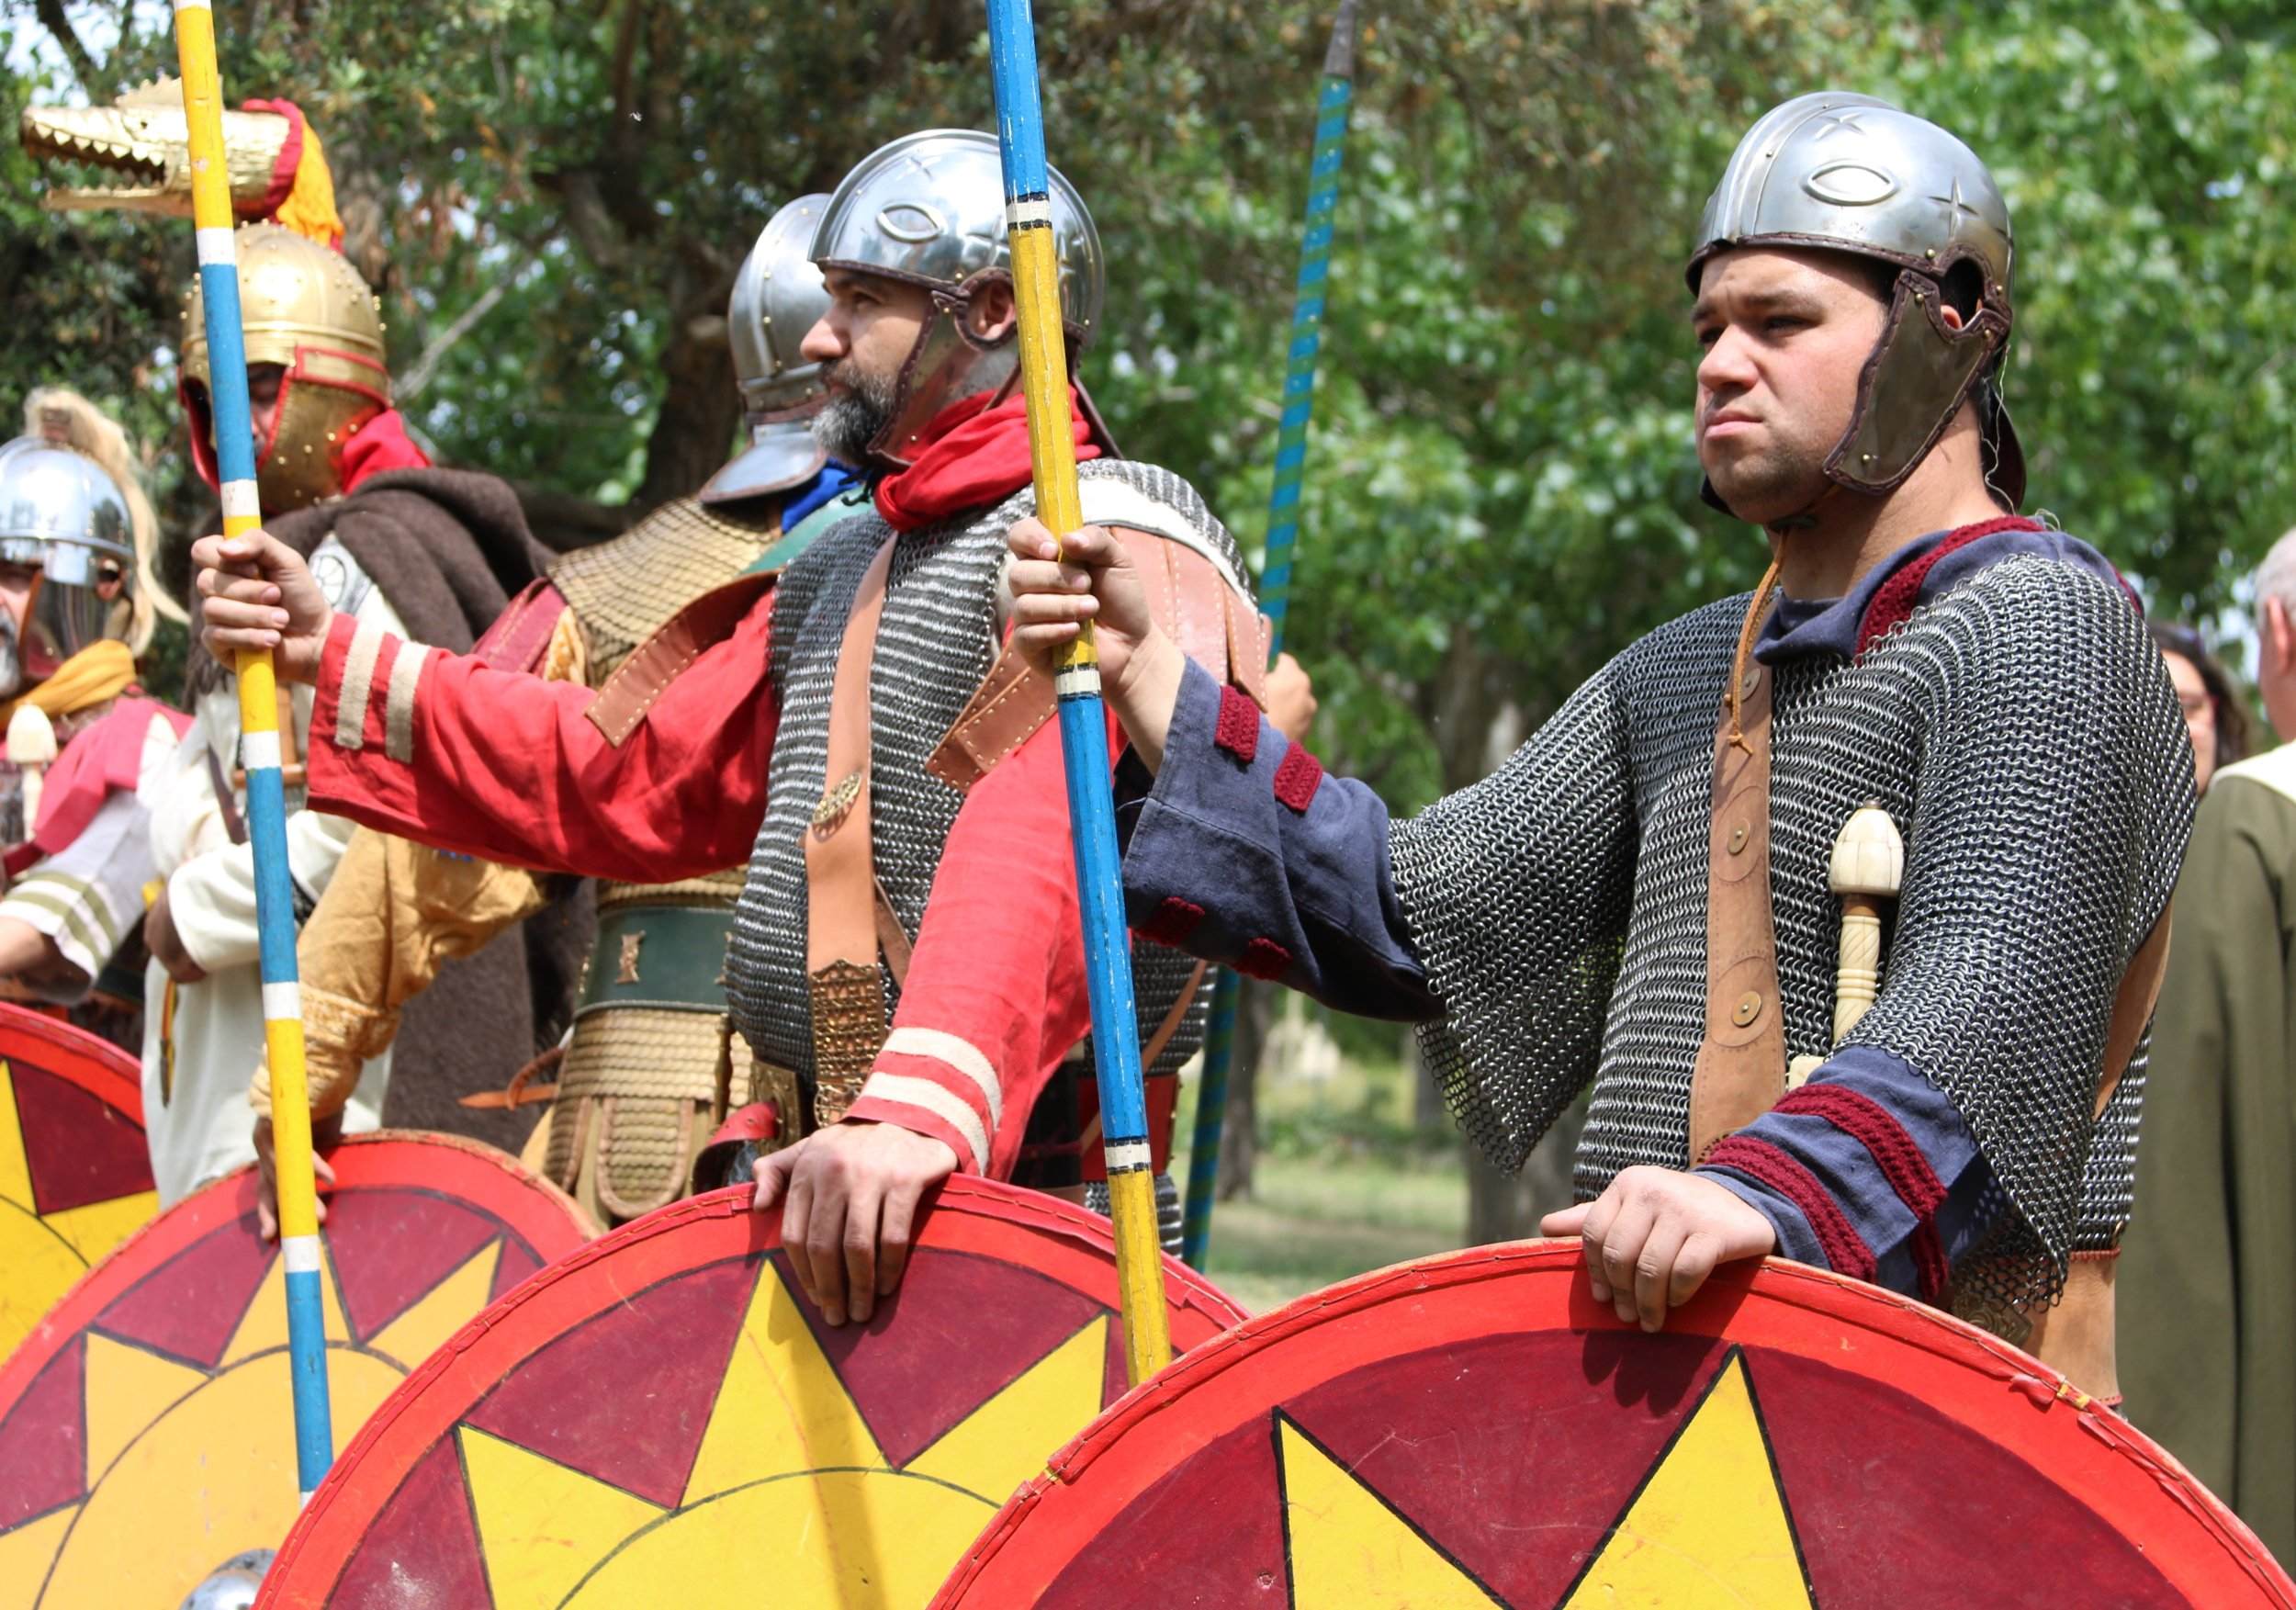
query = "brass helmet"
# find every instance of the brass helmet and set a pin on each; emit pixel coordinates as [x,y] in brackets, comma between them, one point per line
[305,309]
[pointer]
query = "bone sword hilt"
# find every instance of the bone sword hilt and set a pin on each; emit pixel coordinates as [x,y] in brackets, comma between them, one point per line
[31,747]
[1868,867]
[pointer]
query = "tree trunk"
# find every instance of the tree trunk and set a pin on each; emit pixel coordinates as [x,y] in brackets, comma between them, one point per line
[1429,1111]
[1508,1208]
[700,408]
[1239,1142]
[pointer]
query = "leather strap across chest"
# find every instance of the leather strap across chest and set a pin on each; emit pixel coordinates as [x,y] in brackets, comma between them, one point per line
[1740,1071]
[841,897]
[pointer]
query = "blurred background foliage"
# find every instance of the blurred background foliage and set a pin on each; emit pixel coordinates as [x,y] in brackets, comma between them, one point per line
[554,198]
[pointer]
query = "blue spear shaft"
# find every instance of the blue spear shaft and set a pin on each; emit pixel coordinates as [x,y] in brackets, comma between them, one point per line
[260,719]
[1283,534]
[1077,686]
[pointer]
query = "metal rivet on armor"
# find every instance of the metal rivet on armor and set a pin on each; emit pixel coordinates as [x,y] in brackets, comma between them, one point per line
[1753,680]
[1738,839]
[1748,1007]
[1931,252]
[1866,457]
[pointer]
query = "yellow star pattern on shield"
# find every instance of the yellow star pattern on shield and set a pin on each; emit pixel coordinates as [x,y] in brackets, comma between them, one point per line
[786,1456]
[1709,1528]
[188,1466]
[42,1254]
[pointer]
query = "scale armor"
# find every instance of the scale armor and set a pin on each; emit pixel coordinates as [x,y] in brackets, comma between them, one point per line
[665,1067]
[624,590]
[936,643]
[1559,905]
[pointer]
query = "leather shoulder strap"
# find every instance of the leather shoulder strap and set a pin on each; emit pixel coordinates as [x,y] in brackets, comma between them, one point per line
[637,681]
[1741,1063]
[522,632]
[2133,1007]
[841,894]
[1190,600]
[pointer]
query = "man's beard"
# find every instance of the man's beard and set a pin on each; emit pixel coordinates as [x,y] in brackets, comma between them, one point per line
[856,413]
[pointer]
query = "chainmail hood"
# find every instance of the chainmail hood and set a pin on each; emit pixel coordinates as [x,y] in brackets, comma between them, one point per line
[2020,729]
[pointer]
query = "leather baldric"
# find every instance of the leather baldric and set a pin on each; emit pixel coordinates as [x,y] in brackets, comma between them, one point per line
[841,896]
[1741,1067]
[1740,1071]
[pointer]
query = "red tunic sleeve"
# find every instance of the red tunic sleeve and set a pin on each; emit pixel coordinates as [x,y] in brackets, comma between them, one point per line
[440,749]
[996,990]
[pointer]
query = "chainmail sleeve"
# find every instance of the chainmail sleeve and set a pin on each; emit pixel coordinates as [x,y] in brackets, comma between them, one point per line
[1517,892]
[2056,793]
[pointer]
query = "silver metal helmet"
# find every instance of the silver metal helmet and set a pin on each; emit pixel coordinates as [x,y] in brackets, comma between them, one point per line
[234,1585]
[63,515]
[1835,170]
[778,296]
[929,208]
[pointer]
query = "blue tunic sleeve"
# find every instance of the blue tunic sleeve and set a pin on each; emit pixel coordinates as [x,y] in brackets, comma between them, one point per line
[1869,1170]
[1243,851]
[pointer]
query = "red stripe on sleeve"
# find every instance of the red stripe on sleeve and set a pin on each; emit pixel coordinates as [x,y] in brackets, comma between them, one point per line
[1173,921]
[1894,1153]
[1758,1160]
[1297,779]
[1238,731]
[1264,959]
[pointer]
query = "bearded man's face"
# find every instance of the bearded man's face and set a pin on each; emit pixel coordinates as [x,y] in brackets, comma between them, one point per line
[861,343]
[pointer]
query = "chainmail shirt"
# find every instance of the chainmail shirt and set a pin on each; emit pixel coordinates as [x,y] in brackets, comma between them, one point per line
[2020,729]
[936,642]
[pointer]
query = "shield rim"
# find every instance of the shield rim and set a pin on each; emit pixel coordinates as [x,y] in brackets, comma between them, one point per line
[1961,1366]
[538,1214]
[92,1063]
[970,1214]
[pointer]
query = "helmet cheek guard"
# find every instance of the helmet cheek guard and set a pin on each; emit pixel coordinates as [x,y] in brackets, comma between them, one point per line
[1919,374]
[305,310]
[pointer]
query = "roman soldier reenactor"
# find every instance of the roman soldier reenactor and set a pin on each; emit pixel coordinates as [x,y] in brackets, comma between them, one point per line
[906,964]
[1936,723]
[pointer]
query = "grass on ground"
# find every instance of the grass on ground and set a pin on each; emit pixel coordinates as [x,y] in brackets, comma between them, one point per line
[1345,1183]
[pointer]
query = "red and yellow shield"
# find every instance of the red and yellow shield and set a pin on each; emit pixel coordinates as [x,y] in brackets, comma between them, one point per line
[1475,1430]
[76,1178]
[146,1430]
[663,1419]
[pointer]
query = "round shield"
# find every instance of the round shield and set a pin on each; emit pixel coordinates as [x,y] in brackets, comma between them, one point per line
[147,1428]
[1474,1430]
[664,1419]
[75,1176]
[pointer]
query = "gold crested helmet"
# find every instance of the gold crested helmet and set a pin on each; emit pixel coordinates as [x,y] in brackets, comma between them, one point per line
[305,310]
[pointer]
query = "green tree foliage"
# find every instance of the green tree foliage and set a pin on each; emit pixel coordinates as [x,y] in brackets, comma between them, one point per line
[553,200]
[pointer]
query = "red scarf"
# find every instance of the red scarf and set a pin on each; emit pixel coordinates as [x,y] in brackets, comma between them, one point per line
[975,456]
[379,444]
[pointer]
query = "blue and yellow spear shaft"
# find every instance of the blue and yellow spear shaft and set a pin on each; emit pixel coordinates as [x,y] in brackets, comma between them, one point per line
[1077,682]
[1283,534]
[259,749]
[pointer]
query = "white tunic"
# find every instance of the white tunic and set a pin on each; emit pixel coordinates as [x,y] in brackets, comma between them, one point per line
[203,1041]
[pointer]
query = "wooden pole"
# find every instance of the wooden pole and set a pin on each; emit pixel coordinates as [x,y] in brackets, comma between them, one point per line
[1076,684]
[260,750]
[1309,295]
